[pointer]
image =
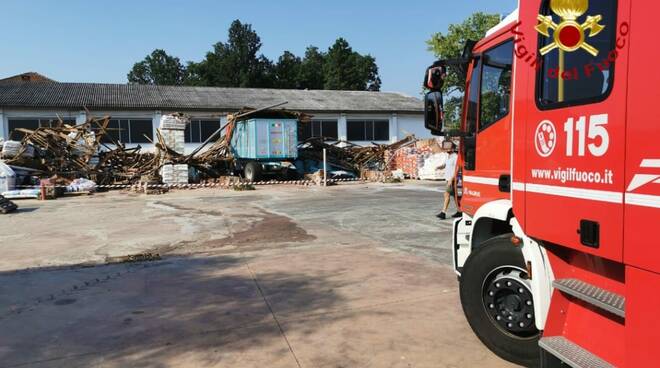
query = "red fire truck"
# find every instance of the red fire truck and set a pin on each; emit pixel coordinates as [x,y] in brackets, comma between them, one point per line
[559,166]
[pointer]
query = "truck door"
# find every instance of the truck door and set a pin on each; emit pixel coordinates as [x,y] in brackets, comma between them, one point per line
[643,151]
[642,197]
[488,122]
[575,127]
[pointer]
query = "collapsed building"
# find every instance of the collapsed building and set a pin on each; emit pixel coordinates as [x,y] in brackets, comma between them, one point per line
[109,134]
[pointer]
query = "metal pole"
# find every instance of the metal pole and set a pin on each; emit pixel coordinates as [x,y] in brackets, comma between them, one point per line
[325,168]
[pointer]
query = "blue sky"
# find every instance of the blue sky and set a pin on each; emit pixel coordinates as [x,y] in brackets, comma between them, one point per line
[100,40]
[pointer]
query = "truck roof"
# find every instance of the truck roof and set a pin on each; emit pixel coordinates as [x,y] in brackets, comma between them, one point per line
[507,21]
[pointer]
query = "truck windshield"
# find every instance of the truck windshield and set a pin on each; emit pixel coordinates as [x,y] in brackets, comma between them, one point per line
[496,84]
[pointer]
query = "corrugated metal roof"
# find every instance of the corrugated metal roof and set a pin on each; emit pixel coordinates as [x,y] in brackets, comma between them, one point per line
[132,96]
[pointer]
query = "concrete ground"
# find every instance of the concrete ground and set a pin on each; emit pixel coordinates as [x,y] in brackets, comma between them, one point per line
[347,276]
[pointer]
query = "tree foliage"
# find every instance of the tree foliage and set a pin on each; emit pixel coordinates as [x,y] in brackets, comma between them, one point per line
[239,63]
[345,69]
[450,45]
[310,75]
[158,68]
[236,63]
[287,71]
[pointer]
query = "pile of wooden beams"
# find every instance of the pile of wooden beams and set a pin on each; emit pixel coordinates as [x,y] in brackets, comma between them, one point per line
[351,157]
[89,151]
[85,150]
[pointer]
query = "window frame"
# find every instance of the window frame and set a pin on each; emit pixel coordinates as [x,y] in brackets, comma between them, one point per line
[321,123]
[128,124]
[198,124]
[373,124]
[482,65]
[477,58]
[39,123]
[205,122]
[130,130]
[538,90]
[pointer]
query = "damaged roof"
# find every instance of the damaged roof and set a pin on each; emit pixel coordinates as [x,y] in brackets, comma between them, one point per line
[95,96]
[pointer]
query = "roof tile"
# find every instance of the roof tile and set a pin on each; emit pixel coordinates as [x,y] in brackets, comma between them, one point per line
[133,96]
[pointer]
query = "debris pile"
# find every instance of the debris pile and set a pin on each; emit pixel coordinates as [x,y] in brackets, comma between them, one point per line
[78,151]
[365,161]
[419,159]
[87,157]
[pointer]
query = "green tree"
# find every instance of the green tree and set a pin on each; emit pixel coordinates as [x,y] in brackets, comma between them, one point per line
[158,68]
[345,69]
[370,70]
[236,63]
[450,45]
[287,71]
[311,69]
[453,109]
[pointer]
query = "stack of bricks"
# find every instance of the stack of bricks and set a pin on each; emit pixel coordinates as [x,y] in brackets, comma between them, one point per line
[410,160]
[172,128]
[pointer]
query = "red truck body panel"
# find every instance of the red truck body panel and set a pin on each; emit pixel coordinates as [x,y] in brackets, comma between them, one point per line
[590,167]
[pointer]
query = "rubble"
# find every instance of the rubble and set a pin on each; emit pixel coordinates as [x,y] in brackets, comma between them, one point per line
[78,151]
[85,157]
[364,161]
[419,160]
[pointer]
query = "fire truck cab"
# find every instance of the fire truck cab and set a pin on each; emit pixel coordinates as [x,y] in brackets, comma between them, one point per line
[559,165]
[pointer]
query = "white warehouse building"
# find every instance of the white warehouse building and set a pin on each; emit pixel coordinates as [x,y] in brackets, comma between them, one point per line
[356,117]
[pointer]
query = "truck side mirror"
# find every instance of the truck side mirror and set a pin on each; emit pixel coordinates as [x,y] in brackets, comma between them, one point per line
[434,113]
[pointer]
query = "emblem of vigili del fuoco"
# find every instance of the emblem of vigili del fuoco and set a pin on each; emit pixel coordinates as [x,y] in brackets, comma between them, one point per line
[569,35]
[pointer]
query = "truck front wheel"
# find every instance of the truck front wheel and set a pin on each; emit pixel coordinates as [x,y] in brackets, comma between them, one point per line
[497,301]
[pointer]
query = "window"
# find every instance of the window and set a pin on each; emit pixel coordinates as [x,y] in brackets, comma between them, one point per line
[318,128]
[124,131]
[208,127]
[139,129]
[127,131]
[473,98]
[199,131]
[583,77]
[496,84]
[368,130]
[113,132]
[33,124]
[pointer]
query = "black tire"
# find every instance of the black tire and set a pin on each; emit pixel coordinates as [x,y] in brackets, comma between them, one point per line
[291,174]
[252,171]
[495,296]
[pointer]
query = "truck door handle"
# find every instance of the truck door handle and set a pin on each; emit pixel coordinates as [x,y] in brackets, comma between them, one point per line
[505,183]
[589,233]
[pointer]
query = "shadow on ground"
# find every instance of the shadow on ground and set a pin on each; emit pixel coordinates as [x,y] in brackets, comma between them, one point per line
[189,310]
